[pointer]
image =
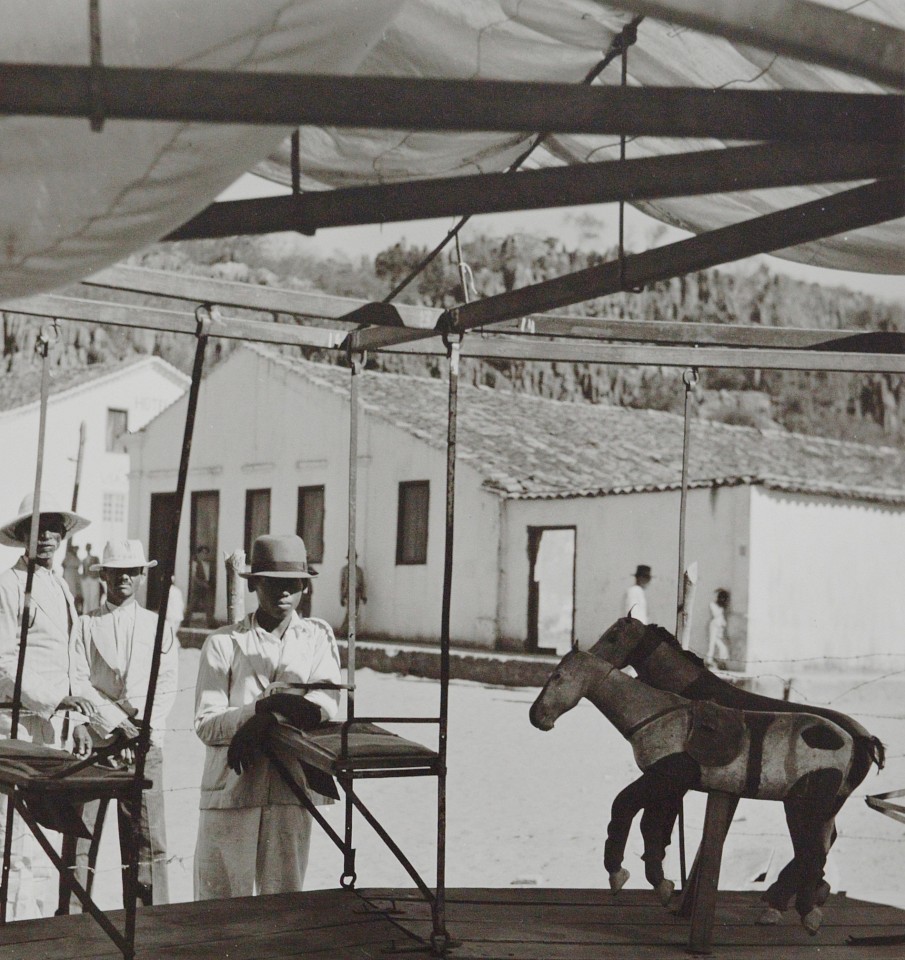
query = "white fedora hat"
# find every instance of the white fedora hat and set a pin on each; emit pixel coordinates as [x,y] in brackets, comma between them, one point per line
[122,555]
[49,503]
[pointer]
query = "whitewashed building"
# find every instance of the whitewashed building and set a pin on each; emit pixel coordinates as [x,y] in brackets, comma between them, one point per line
[556,504]
[110,400]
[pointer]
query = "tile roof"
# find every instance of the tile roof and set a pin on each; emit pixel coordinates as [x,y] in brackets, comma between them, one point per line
[22,386]
[531,447]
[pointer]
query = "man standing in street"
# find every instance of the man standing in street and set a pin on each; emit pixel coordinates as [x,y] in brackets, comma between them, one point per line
[46,693]
[636,595]
[112,651]
[253,834]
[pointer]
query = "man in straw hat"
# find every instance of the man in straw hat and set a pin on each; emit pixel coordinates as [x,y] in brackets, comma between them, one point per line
[112,650]
[46,692]
[253,834]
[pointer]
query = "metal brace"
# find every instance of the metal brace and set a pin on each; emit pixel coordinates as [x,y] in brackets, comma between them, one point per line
[96,74]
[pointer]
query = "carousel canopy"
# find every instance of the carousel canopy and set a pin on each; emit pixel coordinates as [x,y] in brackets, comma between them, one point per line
[75,197]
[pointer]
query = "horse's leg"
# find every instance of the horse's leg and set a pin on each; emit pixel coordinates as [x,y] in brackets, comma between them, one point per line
[659,793]
[657,823]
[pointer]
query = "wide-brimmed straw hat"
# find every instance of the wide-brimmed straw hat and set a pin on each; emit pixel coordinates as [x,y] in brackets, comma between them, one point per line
[123,555]
[49,503]
[283,557]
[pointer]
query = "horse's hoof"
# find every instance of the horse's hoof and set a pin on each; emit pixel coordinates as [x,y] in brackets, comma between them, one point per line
[812,919]
[618,879]
[769,917]
[664,891]
[822,893]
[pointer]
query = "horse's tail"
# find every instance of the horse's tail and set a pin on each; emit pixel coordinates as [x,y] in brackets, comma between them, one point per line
[876,750]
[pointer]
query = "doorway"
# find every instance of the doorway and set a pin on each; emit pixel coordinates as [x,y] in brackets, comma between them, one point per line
[551,589]
[203,552]
[163,519]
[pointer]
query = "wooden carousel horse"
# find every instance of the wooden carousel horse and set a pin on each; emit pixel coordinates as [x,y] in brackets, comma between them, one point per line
[801,759]
[659,660]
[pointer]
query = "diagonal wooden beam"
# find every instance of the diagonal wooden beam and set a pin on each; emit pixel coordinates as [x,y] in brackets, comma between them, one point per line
[848,210]
[250,296]
[685,174]
[408,103]
[807,31]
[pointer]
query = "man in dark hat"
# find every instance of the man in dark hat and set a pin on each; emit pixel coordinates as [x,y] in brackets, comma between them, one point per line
[253,834]
[636,595]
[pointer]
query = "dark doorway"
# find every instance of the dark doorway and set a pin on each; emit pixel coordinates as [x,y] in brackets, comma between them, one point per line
[257,517]
[551,589]
[160,536]
[203,547]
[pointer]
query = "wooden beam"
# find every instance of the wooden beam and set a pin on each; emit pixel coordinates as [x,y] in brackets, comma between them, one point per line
[813,32]
[404,103]
[847,210]
[250,296]
[620,354]
[172,321]
[685,174]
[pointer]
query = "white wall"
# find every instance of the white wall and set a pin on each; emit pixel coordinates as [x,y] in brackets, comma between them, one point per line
[826,581]
[262,426]
[144,389]
[614,534]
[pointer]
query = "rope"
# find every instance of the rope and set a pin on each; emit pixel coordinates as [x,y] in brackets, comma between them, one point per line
[621,42]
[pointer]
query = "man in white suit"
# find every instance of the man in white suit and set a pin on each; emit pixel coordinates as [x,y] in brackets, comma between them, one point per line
[111,655]
[45,693]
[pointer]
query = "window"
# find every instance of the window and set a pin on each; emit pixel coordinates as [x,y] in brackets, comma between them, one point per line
[257,516]
[411,527]
[310,523]
[113,509]
[117,426]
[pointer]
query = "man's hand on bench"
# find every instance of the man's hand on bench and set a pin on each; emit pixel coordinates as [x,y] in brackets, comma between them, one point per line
[301,713]
[245,744]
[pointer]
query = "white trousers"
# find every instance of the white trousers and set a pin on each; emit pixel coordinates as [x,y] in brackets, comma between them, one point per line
[245,851]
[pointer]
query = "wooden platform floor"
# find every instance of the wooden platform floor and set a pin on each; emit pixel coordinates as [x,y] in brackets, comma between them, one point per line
[516,923]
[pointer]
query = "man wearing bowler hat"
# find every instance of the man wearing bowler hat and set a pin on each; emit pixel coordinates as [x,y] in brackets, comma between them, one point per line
[46,692]
[112,650]
[253,835]
[636,595]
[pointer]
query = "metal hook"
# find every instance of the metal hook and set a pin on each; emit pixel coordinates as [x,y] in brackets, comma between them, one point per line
[690,378]
[206,315]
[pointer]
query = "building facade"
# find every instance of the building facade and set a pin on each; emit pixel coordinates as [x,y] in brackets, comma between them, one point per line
[556,504]
[94,408]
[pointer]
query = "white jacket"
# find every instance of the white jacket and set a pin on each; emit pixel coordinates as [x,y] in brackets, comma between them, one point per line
[45,679]
[112,672]
[238,666]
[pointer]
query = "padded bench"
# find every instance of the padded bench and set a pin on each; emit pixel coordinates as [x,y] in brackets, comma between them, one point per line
[342,749]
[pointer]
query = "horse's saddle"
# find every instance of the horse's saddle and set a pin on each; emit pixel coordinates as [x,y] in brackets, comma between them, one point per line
[716,734]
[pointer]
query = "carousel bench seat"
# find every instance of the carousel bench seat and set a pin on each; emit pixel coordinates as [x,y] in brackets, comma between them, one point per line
[37,774]
[342,749]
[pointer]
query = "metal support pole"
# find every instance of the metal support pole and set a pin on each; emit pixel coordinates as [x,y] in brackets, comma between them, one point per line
[46,337]
[689,378]
[439,936]
[356,365]
[204,316]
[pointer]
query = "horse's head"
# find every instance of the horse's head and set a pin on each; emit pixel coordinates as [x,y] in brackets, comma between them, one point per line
[618,643]
[562,691]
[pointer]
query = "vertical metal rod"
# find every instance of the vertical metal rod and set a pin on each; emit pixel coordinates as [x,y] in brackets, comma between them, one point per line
[295,163]
[168,565]
[79,462]
[624,81]
[43,347]
[351,591]
[439,937]
[689,378]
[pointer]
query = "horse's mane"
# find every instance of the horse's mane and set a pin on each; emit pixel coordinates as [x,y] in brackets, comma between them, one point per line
[664,636]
